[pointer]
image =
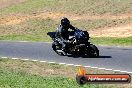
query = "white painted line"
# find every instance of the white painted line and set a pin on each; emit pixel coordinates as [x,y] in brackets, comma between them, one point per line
[15,58]
[108,69]
[87,66]
[124,71]
[74,65]
[129,72]
[117,70]
[4,57]
[62,63]
[77,65]
[69,64]
[101,68]
[43,61]
[94,67]
[34,60]
[51,62]
[25,59]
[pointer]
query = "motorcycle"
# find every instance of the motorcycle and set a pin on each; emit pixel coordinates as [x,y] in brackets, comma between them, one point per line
[77,44]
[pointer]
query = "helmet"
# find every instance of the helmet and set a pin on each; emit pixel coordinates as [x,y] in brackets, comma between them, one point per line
[65,22]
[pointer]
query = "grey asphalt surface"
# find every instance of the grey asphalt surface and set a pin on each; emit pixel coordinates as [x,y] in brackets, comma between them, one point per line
[110,57]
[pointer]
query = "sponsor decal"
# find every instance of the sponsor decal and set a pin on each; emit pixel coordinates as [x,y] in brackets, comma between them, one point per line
[83,78]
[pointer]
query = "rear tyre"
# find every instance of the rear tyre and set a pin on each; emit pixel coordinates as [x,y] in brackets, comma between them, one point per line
[93,51]
[56,47]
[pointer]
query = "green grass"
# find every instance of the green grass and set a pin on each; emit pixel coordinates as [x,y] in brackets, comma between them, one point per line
[113,41]
[15,79]
[28,74]
[31,30]
[27,6]
[100,23]
[72,6]
[36,30]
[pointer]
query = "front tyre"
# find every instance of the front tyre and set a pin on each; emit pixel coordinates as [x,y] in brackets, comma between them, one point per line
[93,51]
[56,47]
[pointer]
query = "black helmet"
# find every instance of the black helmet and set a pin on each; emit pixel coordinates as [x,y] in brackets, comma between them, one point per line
[65,22]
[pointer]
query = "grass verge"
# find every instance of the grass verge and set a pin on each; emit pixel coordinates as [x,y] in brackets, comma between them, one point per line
[28,74]
[113,41]
[75,6]
[36,30]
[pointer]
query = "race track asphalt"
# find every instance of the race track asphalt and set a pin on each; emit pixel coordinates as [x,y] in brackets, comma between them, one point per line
[110,57]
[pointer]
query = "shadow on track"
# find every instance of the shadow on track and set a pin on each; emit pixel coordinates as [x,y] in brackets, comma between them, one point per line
[105,57]
[84,56]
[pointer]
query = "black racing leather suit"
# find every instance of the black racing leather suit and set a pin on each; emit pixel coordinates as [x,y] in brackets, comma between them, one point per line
[62,34]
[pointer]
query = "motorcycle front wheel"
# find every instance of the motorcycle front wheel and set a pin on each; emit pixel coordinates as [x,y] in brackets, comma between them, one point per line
[56,48]
[93,51]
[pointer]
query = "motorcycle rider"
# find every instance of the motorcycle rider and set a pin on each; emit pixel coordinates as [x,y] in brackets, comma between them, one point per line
[62,32]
